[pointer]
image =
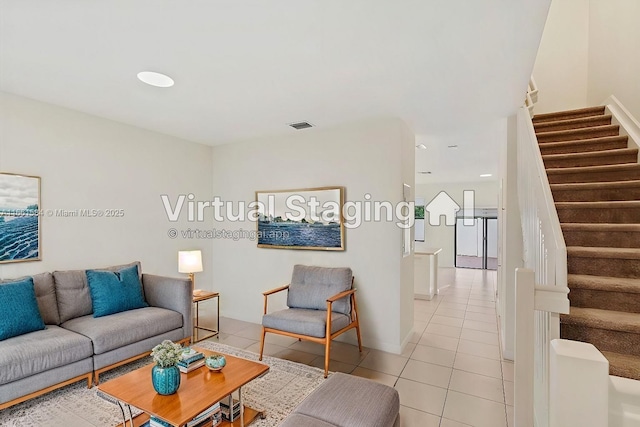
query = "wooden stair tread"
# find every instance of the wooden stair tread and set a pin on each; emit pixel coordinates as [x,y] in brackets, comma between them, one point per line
[602,139]
[590,154]
[593,111]
[602,283]
[581,131]
[605,204]
[603,319]
[570,186]
[573,123]
[588,226]
[623,365]
[603,252]
[599,168]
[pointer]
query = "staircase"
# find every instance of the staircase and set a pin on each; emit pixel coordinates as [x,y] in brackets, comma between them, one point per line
[595,182]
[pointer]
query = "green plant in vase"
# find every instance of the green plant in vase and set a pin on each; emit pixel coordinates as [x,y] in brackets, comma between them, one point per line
[165,375]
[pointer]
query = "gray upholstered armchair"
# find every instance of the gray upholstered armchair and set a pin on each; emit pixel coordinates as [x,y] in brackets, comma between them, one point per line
[322,305]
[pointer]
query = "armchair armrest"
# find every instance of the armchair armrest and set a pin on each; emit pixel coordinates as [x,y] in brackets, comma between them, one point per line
[172,294]
[273,291]
[336,297]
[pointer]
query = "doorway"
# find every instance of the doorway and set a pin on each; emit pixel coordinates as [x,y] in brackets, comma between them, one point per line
[476,242]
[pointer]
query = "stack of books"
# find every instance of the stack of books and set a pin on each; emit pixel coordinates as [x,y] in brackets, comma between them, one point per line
[190,361]
[209,417]
[157,422]
[226,412]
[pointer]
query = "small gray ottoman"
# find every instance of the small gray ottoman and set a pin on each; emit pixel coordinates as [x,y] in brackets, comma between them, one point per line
[348,401]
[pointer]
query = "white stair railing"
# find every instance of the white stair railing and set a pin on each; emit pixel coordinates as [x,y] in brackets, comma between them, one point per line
[532,96]
[545,257]
[537,324]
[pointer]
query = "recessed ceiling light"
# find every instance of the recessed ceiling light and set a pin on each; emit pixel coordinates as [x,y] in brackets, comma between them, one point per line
[485,175]
[421,146]
[155,79]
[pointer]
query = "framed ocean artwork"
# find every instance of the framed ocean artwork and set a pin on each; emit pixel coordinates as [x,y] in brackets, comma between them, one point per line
[19,218]
[308,218]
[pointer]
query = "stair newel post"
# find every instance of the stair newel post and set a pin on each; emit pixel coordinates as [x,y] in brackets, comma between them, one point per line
[524,350]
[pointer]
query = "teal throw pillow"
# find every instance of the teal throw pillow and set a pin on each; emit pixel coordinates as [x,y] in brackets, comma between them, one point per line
[19,312]
[115,291]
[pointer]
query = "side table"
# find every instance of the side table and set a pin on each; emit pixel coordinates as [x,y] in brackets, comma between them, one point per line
[197,299]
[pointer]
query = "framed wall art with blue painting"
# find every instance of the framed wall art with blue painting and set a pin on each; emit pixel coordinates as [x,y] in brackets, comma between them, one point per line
[19,218]
[308,218]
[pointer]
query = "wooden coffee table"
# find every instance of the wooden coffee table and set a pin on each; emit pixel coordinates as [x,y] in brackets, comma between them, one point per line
[199,389]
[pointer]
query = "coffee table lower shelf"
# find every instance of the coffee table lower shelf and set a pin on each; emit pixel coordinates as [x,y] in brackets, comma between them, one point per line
[250,415]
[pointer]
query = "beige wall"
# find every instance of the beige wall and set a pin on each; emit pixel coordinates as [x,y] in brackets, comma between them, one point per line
[614,53]
[589,51]
[90,163]
[561,65]
[367,157]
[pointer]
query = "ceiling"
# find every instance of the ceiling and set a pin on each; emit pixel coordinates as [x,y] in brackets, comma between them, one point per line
[245,69]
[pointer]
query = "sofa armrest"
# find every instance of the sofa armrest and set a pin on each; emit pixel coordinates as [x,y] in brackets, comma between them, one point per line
[172,294]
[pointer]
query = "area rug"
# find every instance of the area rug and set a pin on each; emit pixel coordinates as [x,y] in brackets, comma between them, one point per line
[276,393]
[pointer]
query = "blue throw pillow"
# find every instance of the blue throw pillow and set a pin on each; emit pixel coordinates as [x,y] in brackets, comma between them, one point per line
[115,291]
[19,312]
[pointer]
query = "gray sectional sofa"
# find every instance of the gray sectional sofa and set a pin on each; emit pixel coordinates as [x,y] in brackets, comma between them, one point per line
[76,346]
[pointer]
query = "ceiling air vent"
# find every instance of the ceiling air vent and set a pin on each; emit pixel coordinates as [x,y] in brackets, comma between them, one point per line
[301,125]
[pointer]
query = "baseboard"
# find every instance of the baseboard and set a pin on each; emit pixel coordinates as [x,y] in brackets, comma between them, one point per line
[405,341]
[387,347]
[390,347]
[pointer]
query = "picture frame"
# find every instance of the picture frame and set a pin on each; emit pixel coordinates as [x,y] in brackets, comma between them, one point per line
[20,219]
[306,218]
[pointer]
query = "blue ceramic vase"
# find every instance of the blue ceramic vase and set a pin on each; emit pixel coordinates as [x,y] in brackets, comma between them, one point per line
[165,380]
[216,362]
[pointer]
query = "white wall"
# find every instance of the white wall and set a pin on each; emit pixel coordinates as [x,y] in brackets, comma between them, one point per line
[561,64]
[614,53]
[374,157]
[589,51]
[91,163]
[442,236]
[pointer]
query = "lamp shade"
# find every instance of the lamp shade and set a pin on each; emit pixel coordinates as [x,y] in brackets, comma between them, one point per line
[189,261]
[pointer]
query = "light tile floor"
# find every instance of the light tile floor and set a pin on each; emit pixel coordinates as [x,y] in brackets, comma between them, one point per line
[450,375]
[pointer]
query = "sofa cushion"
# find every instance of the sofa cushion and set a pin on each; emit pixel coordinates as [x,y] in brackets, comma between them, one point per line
[120,329]
[350,401]
[72,291]
[303,321]
[311,286]
[19,313]
[39,351]
[115,291]
[46,296]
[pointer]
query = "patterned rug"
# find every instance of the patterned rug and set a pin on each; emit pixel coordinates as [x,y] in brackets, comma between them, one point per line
[276,393]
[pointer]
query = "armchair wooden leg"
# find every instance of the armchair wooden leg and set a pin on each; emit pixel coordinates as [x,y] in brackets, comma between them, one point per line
[327,349]
[357,319]
[262,343]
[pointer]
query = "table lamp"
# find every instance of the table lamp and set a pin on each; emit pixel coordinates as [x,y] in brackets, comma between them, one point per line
[190,262]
